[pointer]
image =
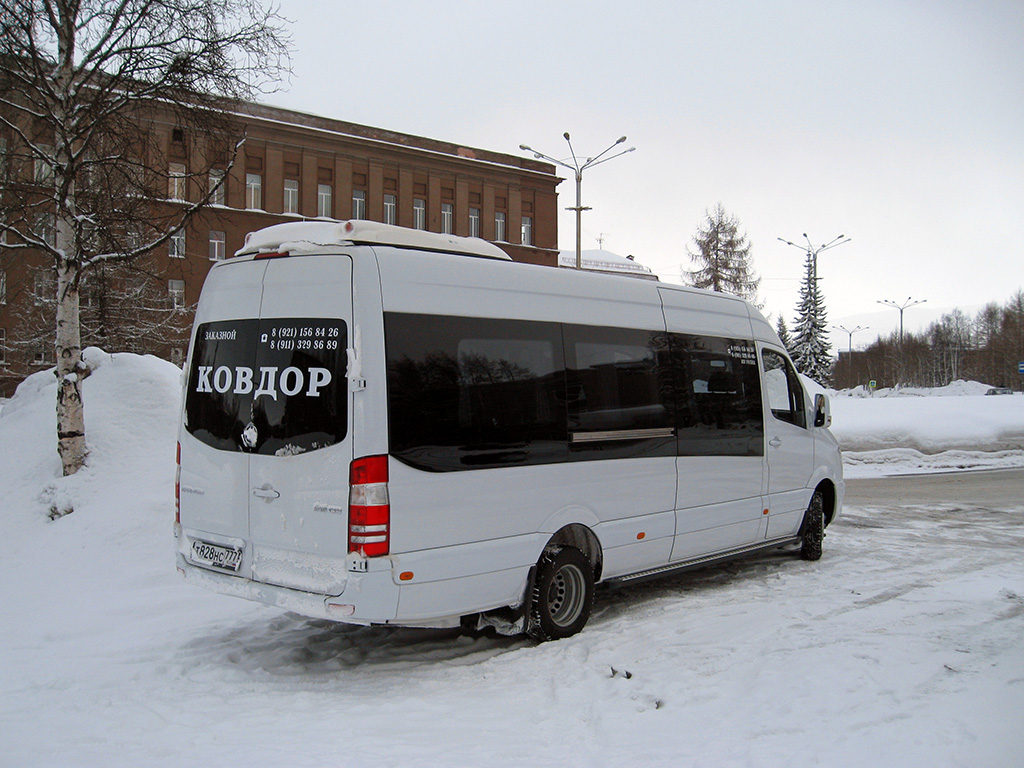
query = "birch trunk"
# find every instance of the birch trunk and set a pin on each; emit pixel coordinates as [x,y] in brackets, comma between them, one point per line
[71,371]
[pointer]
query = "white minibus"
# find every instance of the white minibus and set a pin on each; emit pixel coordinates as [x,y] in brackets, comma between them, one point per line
[387,426]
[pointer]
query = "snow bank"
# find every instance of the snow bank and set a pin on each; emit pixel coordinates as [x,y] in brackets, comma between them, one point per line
[929,424]
[950,428]
[131,407]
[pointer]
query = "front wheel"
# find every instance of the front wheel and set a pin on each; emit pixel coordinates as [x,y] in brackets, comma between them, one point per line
[813,531]
[563,594]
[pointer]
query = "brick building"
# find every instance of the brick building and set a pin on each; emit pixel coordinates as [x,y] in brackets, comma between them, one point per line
[293,166]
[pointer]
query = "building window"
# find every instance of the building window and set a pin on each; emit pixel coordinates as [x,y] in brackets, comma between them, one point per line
[447,218]
[499,225]
[358,204]
[474,222]
[40,356]
[176,181]
[3,346]
[44,226]
[419,213]
[41,287]
[218,186]
[390,209]
[324,207]
[291,196]
[176,245]
[218,245]
[43,166]
[527,230]
[3,287]
[176,291]
[254,191]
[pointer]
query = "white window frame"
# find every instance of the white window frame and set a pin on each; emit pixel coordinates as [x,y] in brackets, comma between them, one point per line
[291,196]
[474,222]
[390,209]
[419,213]
[176,174]
[176,244]
[3,287]
[324,200]
[527,237]
[254,191]
[218,245]
[176,292]
[218,186]
[3,346]
[447,218]
[358,204]
[499,226]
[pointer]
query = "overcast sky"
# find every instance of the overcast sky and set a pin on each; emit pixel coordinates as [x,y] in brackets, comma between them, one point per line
[898,123]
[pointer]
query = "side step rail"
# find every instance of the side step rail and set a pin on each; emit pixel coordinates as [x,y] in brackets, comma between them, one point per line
[683,565]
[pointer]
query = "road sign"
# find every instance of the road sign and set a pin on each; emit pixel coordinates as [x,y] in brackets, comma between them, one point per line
[1020,367]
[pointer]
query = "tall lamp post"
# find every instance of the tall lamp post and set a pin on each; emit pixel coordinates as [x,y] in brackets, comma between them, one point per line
[578,168]
[849,351]
[813,252]
[902,307]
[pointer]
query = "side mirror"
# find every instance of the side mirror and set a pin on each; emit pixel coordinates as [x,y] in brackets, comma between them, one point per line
[822,413]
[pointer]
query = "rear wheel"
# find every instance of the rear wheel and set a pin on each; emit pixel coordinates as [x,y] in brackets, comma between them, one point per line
[813,528]
[563,594]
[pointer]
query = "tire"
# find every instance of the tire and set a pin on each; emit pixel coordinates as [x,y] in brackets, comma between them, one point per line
[813,530]
[563,594]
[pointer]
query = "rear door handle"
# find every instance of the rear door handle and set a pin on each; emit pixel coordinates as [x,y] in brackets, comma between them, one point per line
[266,492]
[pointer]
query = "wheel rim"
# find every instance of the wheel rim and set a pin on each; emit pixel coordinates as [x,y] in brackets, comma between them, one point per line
[566,595]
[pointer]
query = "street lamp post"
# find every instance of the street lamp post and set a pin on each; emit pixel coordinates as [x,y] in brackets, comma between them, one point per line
[849,351]
[578,168]
[902,307]
[813,252]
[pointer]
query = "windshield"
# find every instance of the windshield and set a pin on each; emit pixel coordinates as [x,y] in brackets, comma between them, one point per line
[271,386]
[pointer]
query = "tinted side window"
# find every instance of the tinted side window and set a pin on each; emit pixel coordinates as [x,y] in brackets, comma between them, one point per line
[718,396]
[469,393]
[617,383]
[785,395]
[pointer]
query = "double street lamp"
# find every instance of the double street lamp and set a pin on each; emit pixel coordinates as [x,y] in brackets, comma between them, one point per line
[578,168]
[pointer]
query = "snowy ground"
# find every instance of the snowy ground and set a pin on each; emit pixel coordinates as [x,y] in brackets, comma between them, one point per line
[901,647]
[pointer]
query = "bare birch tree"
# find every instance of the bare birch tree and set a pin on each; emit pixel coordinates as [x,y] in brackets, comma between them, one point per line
[81,81]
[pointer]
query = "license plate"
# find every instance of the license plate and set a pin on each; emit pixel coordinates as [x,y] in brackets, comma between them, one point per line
[216,556]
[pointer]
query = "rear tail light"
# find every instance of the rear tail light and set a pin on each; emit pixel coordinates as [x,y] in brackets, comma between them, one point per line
[369,509]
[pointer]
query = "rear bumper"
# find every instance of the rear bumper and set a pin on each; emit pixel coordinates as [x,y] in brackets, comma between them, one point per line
[381,590]
[369,596]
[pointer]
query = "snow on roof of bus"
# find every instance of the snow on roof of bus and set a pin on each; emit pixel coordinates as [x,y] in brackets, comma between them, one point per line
[304,236]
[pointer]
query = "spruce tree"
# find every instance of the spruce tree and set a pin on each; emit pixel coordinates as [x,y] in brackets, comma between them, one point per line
[811,349]
[722,259]
[783,331]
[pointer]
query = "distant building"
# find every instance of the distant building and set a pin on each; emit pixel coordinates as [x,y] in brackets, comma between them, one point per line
[294,166]
[606,261]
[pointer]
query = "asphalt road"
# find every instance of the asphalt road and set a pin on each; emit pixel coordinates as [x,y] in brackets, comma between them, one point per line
[1001,488]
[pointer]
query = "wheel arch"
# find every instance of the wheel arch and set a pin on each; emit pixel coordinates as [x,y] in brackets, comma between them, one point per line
[828,493]
[580,537]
